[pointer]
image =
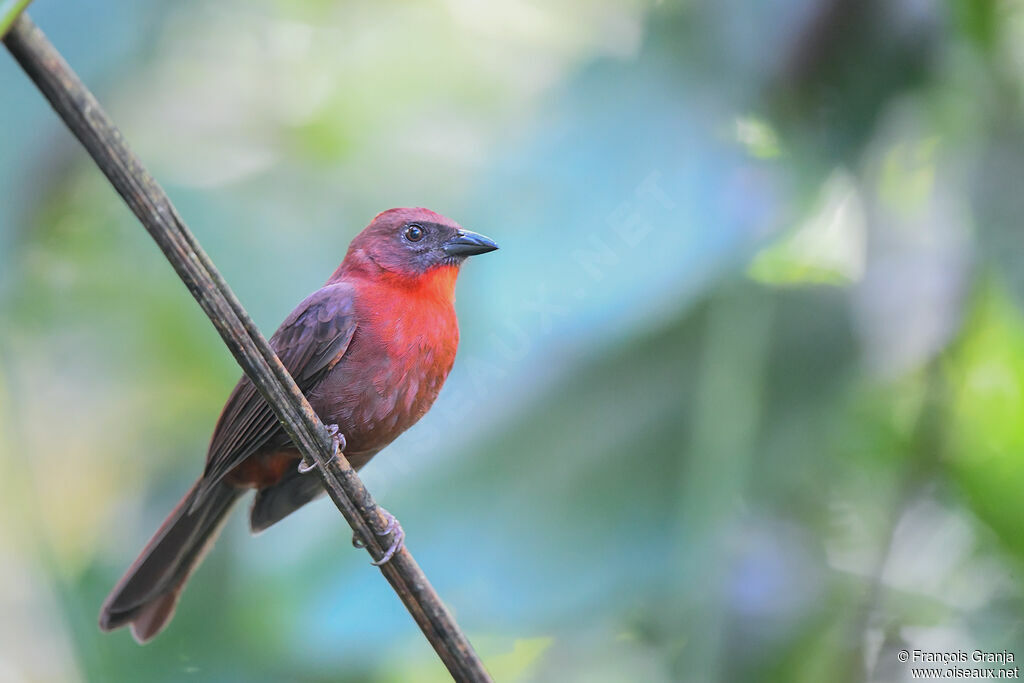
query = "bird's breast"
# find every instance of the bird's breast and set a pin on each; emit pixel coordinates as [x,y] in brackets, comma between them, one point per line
[396,364]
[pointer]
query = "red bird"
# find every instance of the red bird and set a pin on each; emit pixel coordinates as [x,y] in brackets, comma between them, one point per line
[370,350]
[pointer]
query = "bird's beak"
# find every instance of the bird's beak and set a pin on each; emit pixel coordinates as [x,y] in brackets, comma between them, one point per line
[467,243]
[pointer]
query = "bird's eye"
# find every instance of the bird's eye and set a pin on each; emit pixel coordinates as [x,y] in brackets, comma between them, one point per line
[414,233]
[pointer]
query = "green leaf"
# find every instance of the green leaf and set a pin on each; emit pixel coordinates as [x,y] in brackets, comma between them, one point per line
[9,11]
[987,440]
[828,248]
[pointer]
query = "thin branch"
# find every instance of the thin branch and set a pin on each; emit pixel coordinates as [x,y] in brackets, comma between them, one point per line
[97,133]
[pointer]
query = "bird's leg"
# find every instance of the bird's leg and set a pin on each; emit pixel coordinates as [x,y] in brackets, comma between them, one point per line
[339,439]
[339,447]
[394,529]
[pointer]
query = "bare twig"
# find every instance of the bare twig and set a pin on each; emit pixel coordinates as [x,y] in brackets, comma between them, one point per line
[93,128]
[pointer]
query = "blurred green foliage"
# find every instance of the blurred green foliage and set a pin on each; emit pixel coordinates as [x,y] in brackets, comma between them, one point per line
[741,397]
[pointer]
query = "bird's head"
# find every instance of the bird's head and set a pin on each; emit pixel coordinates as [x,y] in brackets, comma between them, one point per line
[413,243]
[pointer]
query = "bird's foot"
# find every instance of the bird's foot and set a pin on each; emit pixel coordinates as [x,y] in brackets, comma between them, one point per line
[394,529]
[339,447]
[339,438]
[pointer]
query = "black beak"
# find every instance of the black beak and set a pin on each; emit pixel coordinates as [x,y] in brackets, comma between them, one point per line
[467,243]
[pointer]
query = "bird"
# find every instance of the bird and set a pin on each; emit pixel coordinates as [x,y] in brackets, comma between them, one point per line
[370,350]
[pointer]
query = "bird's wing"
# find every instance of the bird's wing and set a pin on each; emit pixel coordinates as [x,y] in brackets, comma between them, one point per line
[309,342]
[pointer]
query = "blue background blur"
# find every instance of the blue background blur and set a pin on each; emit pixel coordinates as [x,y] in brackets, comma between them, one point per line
[740,398]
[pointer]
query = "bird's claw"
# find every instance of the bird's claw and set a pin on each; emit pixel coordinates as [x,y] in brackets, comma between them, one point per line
[339,438]
[394,529]
[339,447]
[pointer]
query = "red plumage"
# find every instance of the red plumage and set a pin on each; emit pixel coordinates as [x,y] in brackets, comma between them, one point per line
[371,350]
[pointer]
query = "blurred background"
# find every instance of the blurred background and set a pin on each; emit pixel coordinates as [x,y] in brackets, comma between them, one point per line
[739,399]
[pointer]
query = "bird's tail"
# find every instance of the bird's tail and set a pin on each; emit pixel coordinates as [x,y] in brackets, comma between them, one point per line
[147,594]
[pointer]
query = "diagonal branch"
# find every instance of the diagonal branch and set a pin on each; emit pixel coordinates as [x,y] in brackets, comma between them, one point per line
[97,133]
